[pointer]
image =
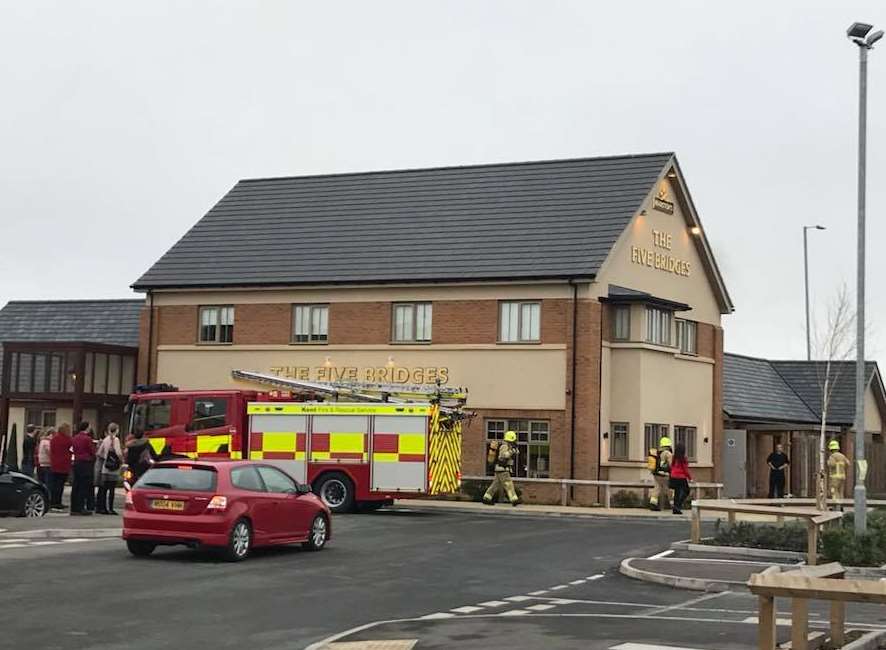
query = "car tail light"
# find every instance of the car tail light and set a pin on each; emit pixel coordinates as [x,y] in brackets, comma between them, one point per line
[129,504]
[218,503]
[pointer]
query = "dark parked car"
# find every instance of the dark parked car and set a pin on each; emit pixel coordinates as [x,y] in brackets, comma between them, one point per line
[232,506]
[22,495]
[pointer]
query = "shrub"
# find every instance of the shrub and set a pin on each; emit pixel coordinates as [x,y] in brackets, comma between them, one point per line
[626,499]
[839,543]
[790,537]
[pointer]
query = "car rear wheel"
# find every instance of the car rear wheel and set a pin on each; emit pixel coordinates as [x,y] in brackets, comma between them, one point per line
[34,505]
[140,548]
[337,491]
[318,534]
[239,542]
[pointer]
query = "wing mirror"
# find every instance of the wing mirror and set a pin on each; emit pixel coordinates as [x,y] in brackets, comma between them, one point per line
[303,488]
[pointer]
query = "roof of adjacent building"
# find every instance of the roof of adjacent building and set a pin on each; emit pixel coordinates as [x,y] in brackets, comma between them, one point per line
[512,221]
[791,391]
[114,322]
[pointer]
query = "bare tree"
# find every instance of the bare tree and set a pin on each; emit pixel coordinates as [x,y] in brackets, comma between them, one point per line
[834,343]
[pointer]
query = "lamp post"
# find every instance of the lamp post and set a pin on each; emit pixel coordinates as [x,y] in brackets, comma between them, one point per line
[806,274]
[861,35]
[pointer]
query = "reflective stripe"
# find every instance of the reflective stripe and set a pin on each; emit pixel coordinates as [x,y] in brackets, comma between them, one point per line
[213,444]
[270,408]
[411,443]
[158,444]
[346,442]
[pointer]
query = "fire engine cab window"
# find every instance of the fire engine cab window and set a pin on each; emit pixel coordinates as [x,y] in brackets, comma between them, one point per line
[209,412]
[148,416]
[246,478]
[216,324]
[275,480]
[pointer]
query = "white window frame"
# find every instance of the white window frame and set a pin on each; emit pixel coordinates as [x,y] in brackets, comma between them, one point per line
[418,326]
[512,325]
[687,336]
[223,316]
[621,323]
[619,429]
[688,435]
[317,324]
[659,330]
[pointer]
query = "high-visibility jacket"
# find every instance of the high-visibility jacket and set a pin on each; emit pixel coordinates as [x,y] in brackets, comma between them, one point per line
[837,464]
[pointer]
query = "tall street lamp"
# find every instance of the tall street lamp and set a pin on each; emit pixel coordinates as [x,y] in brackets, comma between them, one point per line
[861,35]
[806,273]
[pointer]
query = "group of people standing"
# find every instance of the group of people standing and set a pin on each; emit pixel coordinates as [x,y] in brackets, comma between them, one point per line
[670,470]
[93,466]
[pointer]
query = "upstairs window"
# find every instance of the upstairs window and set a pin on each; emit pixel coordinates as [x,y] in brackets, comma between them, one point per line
[687,336]
[412,322]
[310,324]
[519,322]
[217,324]
[658,326]
[621,322]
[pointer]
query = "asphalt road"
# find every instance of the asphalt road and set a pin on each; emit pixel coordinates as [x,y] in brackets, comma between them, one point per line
[450,580]
[381,566]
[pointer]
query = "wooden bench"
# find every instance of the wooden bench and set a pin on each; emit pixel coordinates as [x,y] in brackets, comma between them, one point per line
[814,519]
[824,582]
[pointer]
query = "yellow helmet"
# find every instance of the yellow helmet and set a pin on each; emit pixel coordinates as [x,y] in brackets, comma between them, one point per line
[510,436]
[664,442]
[833,445]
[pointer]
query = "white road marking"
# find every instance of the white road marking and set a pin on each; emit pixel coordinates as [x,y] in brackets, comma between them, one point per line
[660,555]
[661,610]
[540,608]
[75,539]
[5,546]
[467,609]
[517,599]
[544,591]
[493,603]
[515,612]
[595,577]
[646,646]
[578,582]
[48,542]
[431,617]
[558,587]
[564,601]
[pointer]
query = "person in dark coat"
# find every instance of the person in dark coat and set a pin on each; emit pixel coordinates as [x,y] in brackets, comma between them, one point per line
[82,487]
[29,450]
[140,455]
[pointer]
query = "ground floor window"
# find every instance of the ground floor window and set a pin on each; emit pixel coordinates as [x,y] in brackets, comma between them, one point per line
[40,417]
[687,435]
[533,441]
[618,443]
[653,433]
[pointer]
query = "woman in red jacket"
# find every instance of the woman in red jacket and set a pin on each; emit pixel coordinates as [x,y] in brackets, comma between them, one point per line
[680,477]
[60,462]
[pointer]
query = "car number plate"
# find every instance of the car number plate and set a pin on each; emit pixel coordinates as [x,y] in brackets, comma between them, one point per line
[166,504]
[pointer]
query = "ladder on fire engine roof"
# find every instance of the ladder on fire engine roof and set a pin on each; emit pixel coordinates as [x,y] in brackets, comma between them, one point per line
[449,398]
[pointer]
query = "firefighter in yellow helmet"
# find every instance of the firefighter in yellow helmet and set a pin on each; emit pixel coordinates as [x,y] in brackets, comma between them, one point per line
[837,466]
[505,454]
[660,466]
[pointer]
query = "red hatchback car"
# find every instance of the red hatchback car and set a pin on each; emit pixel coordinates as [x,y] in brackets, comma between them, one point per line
[229,505]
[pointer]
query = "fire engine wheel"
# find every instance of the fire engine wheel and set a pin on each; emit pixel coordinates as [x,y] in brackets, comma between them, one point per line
[140,548]
[318,534]
[337,491]
[239,542]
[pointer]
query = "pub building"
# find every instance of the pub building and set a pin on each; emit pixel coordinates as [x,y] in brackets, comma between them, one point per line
[578,301]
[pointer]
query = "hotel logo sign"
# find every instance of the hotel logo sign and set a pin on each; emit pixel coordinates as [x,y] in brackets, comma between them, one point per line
[381,374]
[661,203]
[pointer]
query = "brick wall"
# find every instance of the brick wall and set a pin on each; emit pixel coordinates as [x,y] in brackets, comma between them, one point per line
[269,324]
[177,325]
[706,340]
[465,321]
[586,392]
[358,323]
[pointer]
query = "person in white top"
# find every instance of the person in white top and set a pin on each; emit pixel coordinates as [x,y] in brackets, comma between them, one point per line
[108,460]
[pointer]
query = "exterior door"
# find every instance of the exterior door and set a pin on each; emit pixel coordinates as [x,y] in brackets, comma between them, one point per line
[261,504]
[734,459]
[292,513]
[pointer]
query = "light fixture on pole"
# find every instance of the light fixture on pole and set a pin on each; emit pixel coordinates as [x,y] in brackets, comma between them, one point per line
[861,35]
[806,275]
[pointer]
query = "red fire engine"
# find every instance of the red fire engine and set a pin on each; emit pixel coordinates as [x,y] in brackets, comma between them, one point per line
[384,442]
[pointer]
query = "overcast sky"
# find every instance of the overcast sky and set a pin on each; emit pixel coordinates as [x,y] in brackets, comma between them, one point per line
[121,123]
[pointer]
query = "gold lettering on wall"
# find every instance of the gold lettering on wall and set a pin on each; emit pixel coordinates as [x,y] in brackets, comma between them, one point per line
[662,261]
[379,375]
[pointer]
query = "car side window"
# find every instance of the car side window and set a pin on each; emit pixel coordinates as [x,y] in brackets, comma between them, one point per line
[275,480]
[246,478]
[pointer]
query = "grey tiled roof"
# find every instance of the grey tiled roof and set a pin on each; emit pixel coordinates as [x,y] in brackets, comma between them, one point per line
[95,321]
[807,380]
[753,390]
[790,391]
[506,221]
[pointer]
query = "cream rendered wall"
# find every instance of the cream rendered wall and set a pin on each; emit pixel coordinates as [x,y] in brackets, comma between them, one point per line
[872,421]
[531,377]
[619,269]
